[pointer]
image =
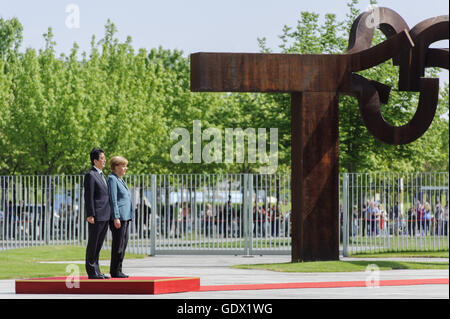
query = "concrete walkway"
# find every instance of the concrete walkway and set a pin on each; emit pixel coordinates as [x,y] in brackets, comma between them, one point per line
[215,270]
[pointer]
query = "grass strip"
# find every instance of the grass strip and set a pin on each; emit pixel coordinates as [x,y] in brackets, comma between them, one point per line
[404,254]
[344,266]
[27,262]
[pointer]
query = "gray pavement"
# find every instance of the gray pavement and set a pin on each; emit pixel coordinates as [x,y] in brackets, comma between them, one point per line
[215,270]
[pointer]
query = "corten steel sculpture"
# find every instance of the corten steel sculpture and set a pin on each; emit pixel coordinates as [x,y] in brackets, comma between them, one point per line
[314,82]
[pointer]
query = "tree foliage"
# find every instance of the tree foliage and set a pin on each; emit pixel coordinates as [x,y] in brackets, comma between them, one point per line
[54,109]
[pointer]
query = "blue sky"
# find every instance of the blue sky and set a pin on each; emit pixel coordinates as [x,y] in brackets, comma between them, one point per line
[191,26]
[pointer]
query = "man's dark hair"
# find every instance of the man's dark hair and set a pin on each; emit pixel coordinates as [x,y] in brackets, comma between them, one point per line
[95,154]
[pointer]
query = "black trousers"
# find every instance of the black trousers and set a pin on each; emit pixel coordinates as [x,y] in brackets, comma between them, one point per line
[118,246]
[97,233]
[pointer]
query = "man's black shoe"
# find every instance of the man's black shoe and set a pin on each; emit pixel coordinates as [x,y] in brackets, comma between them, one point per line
[96,277]
[119,275]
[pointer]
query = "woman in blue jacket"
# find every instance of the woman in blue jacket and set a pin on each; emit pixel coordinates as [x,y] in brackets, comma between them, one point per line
[121,214]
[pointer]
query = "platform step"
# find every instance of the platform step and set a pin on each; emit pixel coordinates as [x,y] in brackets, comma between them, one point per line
[130,285]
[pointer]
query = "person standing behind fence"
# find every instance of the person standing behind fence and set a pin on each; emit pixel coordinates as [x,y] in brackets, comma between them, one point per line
[437,218]
[98,212]
[381,220]
[373,214]
[419,221]
[396,217]
[427,218]
[121,214]
[445,220]
[364,214]
[208,219]
[186,213]
[276,217]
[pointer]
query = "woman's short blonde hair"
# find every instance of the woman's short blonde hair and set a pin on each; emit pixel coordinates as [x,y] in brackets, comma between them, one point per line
[116,161]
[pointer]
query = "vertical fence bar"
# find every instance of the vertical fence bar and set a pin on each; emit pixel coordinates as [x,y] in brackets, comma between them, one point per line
[355,211]
[153,228]
[3,208]
[248,213]
[345,196]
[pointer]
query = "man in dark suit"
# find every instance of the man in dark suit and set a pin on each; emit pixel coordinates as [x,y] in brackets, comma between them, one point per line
[98,212]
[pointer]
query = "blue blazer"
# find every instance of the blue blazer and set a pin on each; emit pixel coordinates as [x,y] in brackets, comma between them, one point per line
[120,198]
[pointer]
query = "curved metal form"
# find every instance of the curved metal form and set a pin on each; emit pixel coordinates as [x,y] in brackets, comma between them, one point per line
[437,58]
[370,57]
[413,58]
[414,61]
[361,33]
[369,104]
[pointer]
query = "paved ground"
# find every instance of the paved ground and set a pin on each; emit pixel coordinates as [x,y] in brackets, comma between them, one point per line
[215,270]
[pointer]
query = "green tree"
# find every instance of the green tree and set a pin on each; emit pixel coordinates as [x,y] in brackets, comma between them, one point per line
[53,110]
[10,36]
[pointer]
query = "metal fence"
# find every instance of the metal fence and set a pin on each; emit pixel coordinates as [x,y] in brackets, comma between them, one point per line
[225,214]
[394,212]
[243,214]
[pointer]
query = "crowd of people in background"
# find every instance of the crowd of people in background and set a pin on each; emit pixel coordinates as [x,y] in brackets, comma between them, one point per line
[225,219]
[420,219]
[222,220]
[215,220]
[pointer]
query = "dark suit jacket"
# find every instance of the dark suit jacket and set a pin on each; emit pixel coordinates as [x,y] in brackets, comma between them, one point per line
[96,196]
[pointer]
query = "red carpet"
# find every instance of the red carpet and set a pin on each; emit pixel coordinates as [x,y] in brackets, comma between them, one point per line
[163,285]
[330,284]
[131,285]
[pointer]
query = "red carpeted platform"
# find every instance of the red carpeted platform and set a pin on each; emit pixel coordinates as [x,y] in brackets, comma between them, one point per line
[131,285]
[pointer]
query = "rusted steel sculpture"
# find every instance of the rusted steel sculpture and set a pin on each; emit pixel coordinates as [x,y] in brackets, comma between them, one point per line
[314,82]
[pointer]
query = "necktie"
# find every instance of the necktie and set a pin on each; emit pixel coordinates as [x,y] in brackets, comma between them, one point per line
[103,177]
